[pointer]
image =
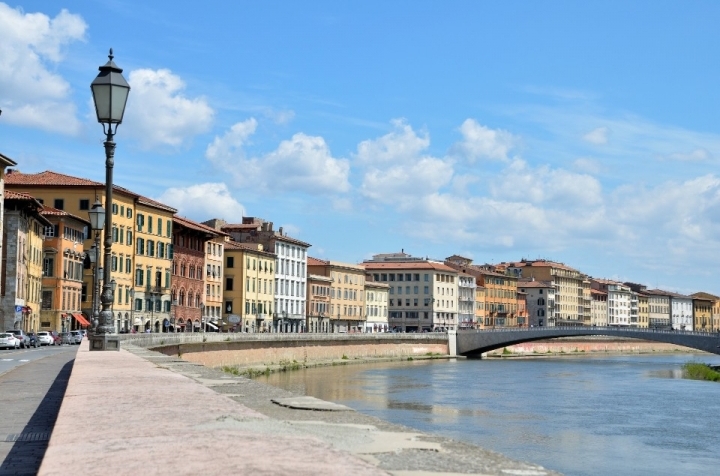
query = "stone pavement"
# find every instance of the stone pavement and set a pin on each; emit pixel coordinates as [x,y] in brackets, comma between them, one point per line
[158,414]
[30,398]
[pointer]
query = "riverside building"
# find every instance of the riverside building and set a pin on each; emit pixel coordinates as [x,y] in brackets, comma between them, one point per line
[540,301]
[347,293]
[141,257]
[422,294]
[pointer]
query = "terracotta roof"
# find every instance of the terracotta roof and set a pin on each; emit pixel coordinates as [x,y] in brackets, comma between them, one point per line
[12,195]
[193,225]
[541,263]
[598,292]
[316,262]
[704,295]
[662,292]
[49,178]
[605,281]
[50,211]
[371,266]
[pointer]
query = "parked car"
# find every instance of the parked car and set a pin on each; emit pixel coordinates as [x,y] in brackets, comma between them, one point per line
[31,340]
[76,337]
[45,338]
[20,335]
[9,341]
[56,337]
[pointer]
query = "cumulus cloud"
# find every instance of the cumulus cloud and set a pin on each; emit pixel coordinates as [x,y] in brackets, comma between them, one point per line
[597,136]
[480,142]
[402,145]
[303,163]
[158,114]
[31,47]
[203,201]
[697,155]
[402,185]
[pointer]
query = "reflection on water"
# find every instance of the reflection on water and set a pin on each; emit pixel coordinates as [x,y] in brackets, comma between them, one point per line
[581,416]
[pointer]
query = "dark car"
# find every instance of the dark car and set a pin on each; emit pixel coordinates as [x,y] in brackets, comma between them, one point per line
[31,340]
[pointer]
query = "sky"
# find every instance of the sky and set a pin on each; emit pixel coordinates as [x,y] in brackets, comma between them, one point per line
[580,132]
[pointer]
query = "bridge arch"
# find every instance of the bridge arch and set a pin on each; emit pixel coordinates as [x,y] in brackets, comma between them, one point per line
[473,343]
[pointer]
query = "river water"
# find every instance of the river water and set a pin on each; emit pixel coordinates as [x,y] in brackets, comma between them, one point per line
[594,415]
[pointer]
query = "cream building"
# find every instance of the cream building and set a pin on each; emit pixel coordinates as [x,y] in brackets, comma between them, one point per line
[347,293]
[376,307]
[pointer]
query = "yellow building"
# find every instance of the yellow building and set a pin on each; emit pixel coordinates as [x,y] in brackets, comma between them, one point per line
[141,252]
[249,286]
[347,293]
[480,301]
[21,284]
[643,310]
[318,303]
[703,306]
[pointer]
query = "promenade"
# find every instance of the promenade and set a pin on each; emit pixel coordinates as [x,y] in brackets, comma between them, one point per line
[140,412]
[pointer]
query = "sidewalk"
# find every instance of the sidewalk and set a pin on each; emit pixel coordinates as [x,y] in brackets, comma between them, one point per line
[141,412]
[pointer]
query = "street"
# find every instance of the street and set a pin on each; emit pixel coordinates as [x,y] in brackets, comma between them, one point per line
[32,386]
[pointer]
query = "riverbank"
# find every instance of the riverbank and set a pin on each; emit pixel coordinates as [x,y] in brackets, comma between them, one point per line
[587,346]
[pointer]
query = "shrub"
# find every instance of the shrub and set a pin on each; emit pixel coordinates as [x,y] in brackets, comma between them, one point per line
[698,371]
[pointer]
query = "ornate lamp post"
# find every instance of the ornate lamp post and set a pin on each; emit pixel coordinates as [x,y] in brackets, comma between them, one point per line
[202,316]
[110,93]
[97,222]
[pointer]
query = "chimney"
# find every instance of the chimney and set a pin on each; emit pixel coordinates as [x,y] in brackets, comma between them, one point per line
[280,231]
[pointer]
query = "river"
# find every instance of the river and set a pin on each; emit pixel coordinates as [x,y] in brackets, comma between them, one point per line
[594,415]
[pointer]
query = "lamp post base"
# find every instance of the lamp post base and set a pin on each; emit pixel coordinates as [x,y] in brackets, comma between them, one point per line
[104,342]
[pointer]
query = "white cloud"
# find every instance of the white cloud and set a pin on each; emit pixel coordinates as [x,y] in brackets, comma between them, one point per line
[480,142]
[697,155]
[597,136]
[157,112]
[400,146]
[303,163]
[402,185]
[31,46]
[586,165]
[204,201]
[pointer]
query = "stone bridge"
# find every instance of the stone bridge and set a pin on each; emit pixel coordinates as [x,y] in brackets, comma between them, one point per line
[472,343]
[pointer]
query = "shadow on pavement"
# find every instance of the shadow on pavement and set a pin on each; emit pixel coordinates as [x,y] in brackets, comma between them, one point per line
[28,451]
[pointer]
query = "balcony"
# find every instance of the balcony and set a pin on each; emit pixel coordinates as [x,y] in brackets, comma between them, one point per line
[156,290]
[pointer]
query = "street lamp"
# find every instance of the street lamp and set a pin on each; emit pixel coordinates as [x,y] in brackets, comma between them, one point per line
[202,316]
[97,222]
[113,287]
[110,93]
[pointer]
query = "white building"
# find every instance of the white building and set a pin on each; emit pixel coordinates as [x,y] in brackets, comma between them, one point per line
[466,301]
[681,312]
[376,306]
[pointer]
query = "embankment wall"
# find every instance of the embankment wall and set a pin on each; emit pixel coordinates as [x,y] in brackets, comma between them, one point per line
[590,346]
[267,352]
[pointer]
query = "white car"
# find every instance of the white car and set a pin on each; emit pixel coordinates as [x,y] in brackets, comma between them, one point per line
[44,338]
[9,341]
[76,337]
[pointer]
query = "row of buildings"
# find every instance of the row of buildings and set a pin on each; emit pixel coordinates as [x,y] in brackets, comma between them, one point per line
[172,274]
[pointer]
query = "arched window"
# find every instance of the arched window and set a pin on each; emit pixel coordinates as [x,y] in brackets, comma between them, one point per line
[182,297]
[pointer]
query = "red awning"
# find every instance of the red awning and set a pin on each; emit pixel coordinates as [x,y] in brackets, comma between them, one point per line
[81,319]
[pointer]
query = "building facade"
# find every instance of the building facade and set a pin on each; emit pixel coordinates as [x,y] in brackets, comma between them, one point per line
[658,309]
[290,267]
[63,289]
[376,307]
[422,294]
[249,286]
[347,293]
[681,312]
[141,251]
[540,301]
[705,311]
[21,283]
[318,311]
[467,287]
[187,293]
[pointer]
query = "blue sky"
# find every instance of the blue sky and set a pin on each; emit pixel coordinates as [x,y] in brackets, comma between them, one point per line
[584,132]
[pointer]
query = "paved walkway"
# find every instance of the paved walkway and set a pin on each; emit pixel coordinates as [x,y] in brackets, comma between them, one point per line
[160,415]
[30,398]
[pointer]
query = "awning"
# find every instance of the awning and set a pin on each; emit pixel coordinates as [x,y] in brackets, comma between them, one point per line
[81,319]
[211,325]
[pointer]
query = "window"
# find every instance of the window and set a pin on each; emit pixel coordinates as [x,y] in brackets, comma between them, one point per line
[48,267]
[230,262]
[228,284]
[150,222]
[128,265]
[138,304]
[140,249]
[129,238]
[46,301]
[150,248]
[84,204]
[140,221]
[168,225]
[59,203]
[129,213]
[159,228]
[115,209]
[139,275]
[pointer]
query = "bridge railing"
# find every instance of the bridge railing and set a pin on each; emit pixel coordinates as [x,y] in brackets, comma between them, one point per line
[593,329]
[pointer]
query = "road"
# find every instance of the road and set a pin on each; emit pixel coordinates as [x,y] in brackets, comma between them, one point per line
[32,386]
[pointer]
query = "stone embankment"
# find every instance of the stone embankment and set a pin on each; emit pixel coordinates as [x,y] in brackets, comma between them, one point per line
[253,353]
[587,346]
[137,411]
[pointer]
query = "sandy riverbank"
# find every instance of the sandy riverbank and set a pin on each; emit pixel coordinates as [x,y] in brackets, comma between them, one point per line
[588,346]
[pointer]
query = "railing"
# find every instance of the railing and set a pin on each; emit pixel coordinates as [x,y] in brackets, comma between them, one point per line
[598,329]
